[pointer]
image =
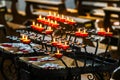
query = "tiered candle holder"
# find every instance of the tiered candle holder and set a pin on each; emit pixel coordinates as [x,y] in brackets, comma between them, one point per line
[61,18]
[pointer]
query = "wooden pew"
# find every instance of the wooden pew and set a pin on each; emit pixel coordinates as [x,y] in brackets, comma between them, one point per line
[108,12]
[87,7]
[3,23]
[17,18]
[59,4]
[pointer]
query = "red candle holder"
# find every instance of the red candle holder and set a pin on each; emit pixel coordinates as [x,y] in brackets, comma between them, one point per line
[49,16]
[78,34]
[84,34]
[54,43]
[39,20]
[65,47]
[28,41]
[25,39]
[101,33]
[58,55]
[33,26]
[46,22]
[40,29]
[49,31]
[109,34]
[59,45]
[71,22]
[55,25]
[62,20]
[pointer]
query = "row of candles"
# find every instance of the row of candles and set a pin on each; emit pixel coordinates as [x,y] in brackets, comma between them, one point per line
[101,32]
[24,39]
[56,17]
[40,28]
[65,46]
[78,33]
[48,22]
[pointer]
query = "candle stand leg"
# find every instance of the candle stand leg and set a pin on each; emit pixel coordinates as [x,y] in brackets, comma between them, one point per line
[75,39]
[69,38]
[96,49]
[78,76]
[109,40]
[64,63]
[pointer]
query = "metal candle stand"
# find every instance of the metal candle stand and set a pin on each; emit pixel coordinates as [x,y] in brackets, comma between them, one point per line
[105,64]
[77,49]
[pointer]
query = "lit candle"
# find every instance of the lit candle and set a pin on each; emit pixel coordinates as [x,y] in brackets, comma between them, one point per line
[25,39]
[101,32]
[36,26]
[59,45]
[49,30]
[67,20]
[84,33]
[43,20]
[54,43]
[51,23]
[39,18]
[71,22]
[54,16]
[49,15]
[58,18]
[78,33]
[65,46]
[108,33]
[58,54]
[48,22]
[62,19]
[40,28]
[55,25]
[33,25]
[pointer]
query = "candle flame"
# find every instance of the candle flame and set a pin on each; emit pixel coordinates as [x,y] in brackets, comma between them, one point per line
[84,31]
[53,39]
[62,16]
[54,14]
[79,30]
[44,18]
[55,22]
[40,25]
[72,20]
[40,17]
[68,18]
[58,51]
[50,13]
[51,21]
[33,23]
[37,24]
[58,15]
[108,30]
[23,36]
[48,20]
[65,43]
[26,38]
